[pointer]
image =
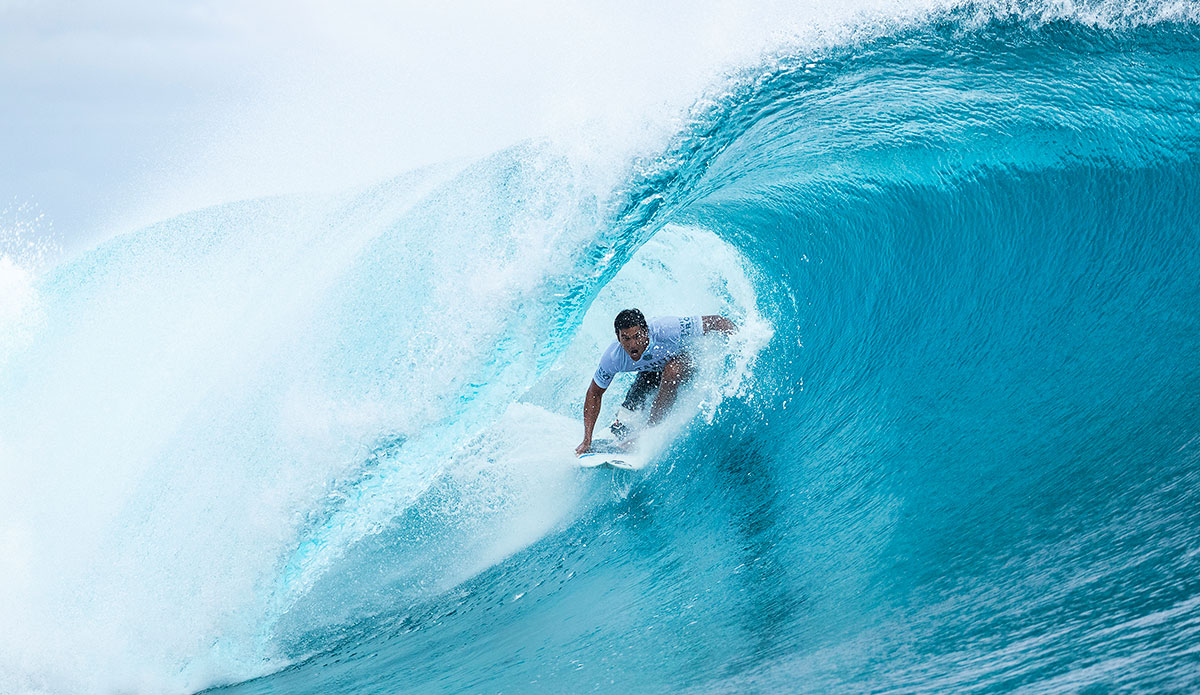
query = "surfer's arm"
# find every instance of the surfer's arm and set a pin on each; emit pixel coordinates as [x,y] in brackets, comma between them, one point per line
[719,323]
[591,411]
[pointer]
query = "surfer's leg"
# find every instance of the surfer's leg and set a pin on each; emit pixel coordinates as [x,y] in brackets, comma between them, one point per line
[676,372]
[635,399]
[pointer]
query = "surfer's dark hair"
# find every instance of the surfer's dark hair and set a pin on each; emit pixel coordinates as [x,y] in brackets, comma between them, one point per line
[629,318]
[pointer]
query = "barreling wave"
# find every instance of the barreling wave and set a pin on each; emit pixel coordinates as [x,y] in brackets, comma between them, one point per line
[326,442]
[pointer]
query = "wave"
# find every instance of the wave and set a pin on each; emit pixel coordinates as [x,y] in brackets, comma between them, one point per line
[313,444]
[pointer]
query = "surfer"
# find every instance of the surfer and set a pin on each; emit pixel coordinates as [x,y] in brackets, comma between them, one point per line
[657,350]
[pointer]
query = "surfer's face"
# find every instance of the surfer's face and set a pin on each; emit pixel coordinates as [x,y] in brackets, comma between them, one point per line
[634,340]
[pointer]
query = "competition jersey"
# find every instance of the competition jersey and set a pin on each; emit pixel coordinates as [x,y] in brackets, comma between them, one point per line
[669,336]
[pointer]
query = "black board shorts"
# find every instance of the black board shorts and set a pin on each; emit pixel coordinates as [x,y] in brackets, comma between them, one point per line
[646,382]
[640,389]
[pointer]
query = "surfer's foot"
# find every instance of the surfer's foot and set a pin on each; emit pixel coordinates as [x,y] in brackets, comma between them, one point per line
[619,430]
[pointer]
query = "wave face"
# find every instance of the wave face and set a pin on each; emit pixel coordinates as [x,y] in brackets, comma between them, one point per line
[317,445]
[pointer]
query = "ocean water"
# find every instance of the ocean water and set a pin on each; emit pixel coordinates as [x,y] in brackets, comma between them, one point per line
[322,444]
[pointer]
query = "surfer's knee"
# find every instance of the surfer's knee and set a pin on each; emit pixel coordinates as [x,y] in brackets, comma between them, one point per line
[677,369]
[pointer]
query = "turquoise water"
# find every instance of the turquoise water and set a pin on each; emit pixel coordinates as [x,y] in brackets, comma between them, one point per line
[313,445]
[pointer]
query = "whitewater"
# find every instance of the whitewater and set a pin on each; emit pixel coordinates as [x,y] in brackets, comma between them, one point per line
[322,442]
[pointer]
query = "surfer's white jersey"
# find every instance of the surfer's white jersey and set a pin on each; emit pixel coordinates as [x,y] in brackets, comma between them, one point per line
[669,336]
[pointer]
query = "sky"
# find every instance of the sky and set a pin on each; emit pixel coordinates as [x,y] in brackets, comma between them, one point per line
[117,114]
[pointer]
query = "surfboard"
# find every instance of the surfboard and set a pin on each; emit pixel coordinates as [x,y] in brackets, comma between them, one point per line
[606,453]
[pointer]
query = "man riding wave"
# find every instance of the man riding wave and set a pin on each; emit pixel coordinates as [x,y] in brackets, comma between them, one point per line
[658,350]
